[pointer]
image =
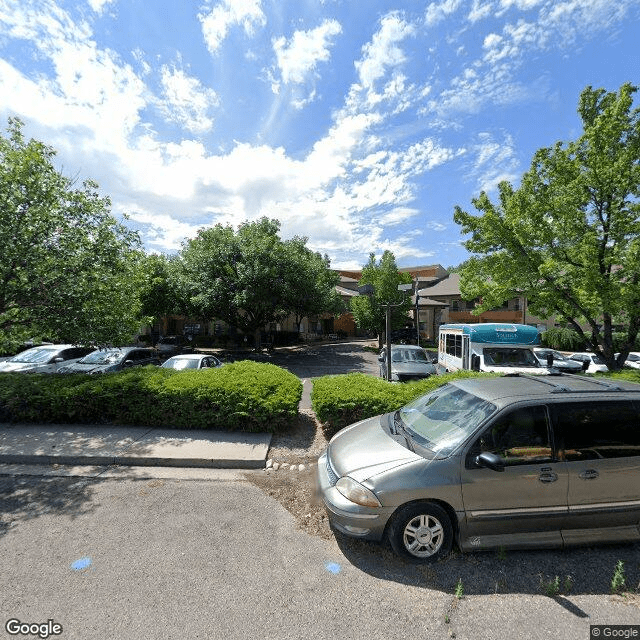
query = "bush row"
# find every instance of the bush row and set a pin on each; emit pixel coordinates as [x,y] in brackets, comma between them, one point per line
[341,400]
[241,396]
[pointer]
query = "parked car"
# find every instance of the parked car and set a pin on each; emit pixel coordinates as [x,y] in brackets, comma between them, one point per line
[192,361]
[592,361]
[633,360]
[172,345]
[408,362]
[560,361]
[511,461]
[112,359]
[45,358]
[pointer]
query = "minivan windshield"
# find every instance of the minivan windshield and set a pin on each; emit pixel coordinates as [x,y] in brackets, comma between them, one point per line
[443,419]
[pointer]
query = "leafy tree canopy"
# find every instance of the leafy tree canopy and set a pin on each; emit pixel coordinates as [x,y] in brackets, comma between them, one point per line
[369,312]
[250,277]
[569,237]
[158,296]
[312,284]
[69,271]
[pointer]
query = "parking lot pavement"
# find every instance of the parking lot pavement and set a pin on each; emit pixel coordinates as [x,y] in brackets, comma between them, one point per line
[332,358]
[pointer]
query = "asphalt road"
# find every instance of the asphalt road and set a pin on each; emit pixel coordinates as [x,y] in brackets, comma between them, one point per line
[204,554]
[189,558]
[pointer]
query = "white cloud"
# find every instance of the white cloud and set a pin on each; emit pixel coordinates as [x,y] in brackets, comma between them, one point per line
[299,56]
[495,161]
[161,231]
[398,215]
[187,102]
[99,5]
[217,21]
[383,50]
[479,11]
[438,11]
[549,25]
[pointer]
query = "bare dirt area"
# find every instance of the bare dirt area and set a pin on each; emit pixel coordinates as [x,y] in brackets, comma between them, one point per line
[293,488]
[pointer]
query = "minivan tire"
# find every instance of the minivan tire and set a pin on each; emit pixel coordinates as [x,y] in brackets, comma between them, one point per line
[421,532]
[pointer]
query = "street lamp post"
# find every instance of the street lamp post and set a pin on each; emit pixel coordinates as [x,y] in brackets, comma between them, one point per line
[368,290]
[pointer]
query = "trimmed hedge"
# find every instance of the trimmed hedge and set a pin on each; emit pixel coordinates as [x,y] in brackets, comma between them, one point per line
[241,396]
[341,400]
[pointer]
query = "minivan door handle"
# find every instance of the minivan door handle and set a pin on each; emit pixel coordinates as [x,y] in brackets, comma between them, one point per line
[589,474]
[547,475]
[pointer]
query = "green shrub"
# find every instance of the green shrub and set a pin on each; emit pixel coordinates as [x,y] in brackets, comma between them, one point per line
[341,400]
[243,396]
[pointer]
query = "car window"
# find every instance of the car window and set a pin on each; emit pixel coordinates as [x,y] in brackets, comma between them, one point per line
[598,430]
[36,355]
[100,356]
[519,437]
[408,355]
[75,352]
[78,352]
[445,418]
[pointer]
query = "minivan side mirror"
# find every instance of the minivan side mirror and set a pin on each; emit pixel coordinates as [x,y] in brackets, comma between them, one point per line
[381,358]
[490,461]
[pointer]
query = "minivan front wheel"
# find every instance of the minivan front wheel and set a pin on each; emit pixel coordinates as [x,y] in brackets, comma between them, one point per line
[421,532]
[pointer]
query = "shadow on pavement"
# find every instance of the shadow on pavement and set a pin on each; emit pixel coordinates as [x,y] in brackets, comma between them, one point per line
[587,570]
[24,498]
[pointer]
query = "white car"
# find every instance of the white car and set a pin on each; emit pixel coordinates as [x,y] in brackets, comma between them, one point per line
[633,359]
[595,362]
[192,361]
[46,358]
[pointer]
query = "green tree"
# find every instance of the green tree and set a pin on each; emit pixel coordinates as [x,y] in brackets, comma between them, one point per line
[251,277]
[69,271]
[158,295]
[311,289]
[369,311]
[568,238]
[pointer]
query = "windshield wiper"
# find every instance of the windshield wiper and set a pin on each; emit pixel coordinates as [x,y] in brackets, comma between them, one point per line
[400,429]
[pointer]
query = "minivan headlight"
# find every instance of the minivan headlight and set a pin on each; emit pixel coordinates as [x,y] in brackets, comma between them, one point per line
[356,492]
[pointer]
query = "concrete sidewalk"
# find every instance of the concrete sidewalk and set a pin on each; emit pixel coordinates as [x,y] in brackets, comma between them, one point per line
[131,446]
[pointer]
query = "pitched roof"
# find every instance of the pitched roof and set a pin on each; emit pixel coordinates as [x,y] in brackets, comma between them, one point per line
[449,286]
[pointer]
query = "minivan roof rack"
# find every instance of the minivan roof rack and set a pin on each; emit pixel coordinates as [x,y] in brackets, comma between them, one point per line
[560,388]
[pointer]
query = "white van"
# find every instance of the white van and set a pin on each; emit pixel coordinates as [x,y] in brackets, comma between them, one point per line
[491,346]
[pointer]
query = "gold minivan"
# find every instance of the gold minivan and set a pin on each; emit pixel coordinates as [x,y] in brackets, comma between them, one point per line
[519,461]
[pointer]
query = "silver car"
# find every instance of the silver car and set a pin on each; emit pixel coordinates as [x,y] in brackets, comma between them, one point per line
[516,462]
[408,362]
[46,358]
[112,359]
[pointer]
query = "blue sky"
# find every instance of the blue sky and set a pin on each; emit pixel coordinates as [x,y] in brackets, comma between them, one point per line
[360,124]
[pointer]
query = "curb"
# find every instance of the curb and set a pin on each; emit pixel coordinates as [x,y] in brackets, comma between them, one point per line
[129,461]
